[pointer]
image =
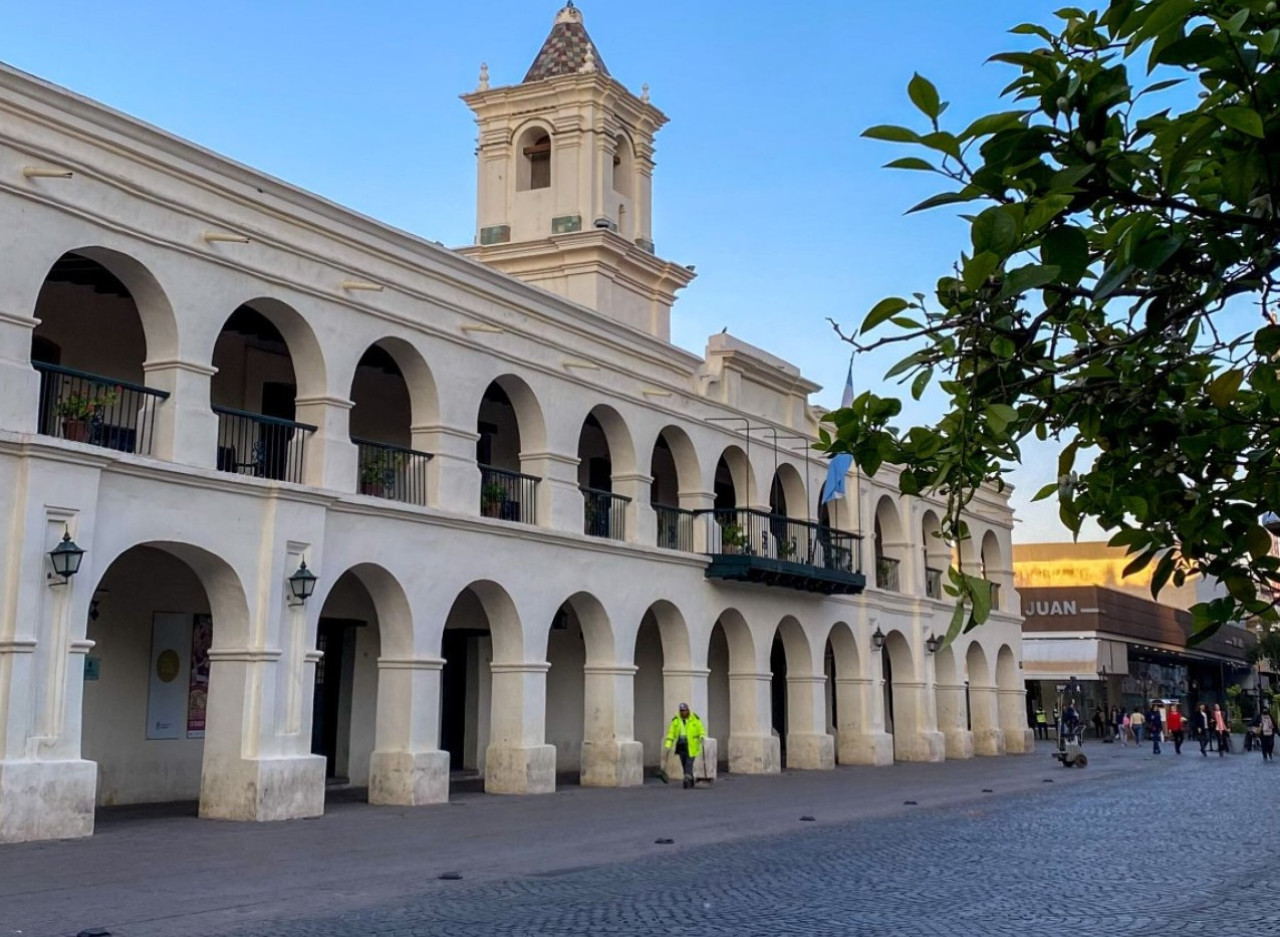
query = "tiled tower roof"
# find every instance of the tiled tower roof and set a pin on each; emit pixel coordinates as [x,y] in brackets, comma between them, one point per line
[568,50]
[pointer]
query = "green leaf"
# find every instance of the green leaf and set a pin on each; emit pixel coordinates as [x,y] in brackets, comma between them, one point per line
[946,198]
[1046,491]
[924,96]
[882,311]
[978,269]
[1066,248]
[996,231]
[891,133]
[1111,280]
[1027,278]
[993,123]
[1196,49]
[1257,542]
[1223,388]
[911,162]
[1244,119]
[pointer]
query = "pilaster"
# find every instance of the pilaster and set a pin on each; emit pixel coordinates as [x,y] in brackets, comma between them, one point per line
[809,747]
[407,766]
[953,721]
[914,736]
[1019,738]
[20,402]
[611,757]
[331,457]
[860,735]
[183,427]
[453,479]
[642,522]
[559,497]
[753,748]
[517,760]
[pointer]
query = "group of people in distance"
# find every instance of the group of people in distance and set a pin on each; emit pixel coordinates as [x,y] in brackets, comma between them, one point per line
[1165,722]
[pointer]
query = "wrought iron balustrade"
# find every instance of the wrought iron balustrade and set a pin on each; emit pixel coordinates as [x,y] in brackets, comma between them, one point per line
[778,550]
[509,496]
[391,472]
[604,514]
[675,527]
[261,446]
[933,582]
[97,410]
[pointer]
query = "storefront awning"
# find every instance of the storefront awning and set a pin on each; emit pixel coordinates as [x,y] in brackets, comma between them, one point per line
[1060,658]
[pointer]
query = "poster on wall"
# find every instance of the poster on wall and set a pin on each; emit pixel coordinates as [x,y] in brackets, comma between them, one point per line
[198,691]
[167,693]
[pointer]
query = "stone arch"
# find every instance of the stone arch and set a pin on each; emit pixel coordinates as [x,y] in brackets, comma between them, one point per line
[899,673]
[734,480]
[533,157]
[984,703]
[623,167]
[419,382]
[674,466]
[606,473]
[597,630]
[979,673]
[390,602]
[664,676]
[504,620]
[889,543]
[1007,670]
[991,565]
[302,346]
[951,697]
[528,411]
[798,694]
[787,493]
[846,699]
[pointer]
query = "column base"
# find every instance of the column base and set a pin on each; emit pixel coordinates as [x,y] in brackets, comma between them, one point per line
[865,748]
[409,779]
[755,754]
[1019,741]
[989,742]
[612,764]
[810,752]
[46,800]
[706,766]
[960,744]
[520,770]
[920,746]
[262,789]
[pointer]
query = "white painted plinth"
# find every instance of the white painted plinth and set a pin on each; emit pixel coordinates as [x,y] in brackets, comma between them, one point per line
[46,800]
[261,789]
[810,752]
[409,778]
[920,746]
[1019,741]
[959,744]
[529,770]
[755,754]
[865,748]
[988,742]
[612,764]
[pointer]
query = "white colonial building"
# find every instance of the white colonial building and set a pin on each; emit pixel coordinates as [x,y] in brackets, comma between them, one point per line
[535,525]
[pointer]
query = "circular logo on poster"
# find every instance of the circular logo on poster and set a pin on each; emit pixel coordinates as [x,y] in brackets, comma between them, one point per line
[167,666]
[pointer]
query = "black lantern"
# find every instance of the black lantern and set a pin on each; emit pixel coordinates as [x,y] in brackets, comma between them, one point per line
[877,639]
[933,644]
[66,557]
[302,584]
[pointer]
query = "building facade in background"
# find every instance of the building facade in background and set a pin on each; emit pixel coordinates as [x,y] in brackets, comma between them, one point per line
[356,509]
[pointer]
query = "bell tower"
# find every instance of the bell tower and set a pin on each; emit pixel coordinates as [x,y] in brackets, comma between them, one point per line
[566,182]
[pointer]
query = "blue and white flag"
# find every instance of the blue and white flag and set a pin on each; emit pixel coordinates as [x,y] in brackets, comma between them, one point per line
[837,469]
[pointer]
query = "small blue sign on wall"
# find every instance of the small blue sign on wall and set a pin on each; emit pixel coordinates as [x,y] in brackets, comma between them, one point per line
[92,667]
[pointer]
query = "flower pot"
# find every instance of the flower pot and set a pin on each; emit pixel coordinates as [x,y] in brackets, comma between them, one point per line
[373,489]
[76,430]
[491,508]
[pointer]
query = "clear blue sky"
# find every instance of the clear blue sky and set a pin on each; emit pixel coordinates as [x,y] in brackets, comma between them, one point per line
[762,181]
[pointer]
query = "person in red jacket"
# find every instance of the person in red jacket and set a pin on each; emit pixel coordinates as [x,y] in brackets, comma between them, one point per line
[1173,721]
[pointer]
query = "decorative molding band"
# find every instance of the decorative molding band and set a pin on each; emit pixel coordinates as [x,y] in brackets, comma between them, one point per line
[553,457]
[81,647]
[313,657]
[854,681]
[22,322]
[757,677]
[531,666]
[811,680]
[339,402]
[18,646]
[410,663]
[442,430]
[245,654]
[680,672]
[618,670]
[178,364]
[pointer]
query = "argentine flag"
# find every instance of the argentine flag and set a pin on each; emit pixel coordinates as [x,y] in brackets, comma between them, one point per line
[839,465]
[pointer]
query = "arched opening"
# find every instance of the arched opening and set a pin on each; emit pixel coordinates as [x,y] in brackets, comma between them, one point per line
[481,628]
[796,694]
[990,565]
[843,668]
[736,697]
[899,713]
[673,468]
[663,679]
[533,155]
[506,409]
[887,541]
[936,553]
[604,513]
[344,705]
[790,537]
[92,387]
[951,692]
[984,703]
[736,529]
[253,394]
[623,166]
[382,416]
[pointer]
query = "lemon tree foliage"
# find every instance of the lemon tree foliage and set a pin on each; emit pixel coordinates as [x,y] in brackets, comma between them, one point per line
[1122,215]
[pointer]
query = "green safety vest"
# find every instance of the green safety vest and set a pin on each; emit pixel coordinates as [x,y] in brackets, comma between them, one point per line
[692,732]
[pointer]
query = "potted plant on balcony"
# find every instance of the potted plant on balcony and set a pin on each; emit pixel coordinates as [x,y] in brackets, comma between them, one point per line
[80,412]
[492,496]
[379,470]
[786,549]
[733,539]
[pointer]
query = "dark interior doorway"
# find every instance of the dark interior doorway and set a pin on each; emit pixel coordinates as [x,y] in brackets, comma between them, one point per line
[335,639]
[778,688]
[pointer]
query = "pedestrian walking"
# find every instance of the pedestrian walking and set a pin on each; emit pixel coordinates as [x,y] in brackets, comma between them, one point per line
[1153,727]
[1117,725]
[1135,723]
[1201,724]
[1266,727]
[1042,723]
[685,736]
[1125,730]
[1221,730]
[1098,721]
[1173,721]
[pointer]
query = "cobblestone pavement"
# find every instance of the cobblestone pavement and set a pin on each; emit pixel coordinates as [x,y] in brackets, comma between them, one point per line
[1131,845]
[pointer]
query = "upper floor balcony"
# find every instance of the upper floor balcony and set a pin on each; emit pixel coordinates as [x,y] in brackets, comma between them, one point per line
[756,546]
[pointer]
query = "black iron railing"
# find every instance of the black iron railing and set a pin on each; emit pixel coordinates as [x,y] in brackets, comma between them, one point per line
[933,582]
[97,410]
[604,514]
[887,574]
[675,527]
[391,472]
[508,495]
[262,446]
[774,536]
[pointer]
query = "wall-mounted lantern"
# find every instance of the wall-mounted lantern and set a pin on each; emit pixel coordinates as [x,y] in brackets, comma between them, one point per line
[66,557]
[877,639]
[301,585]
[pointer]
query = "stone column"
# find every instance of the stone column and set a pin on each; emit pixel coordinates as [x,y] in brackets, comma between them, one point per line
[753,749]
[690,686]
[611,757]
[988,739]
[915,737]
[517,760]
[700,501]
[331,456]
[1019,738]
[642,522]
[809,746]
[184,428]
[453,478]
[860,735]
[953,721]
[251,771]
[20,402]
[407,766]
[559,497]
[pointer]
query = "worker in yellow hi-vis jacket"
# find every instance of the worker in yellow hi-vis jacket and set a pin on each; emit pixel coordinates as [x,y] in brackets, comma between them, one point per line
[685,736]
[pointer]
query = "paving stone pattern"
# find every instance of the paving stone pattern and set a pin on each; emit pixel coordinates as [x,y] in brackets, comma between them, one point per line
[1171,850]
